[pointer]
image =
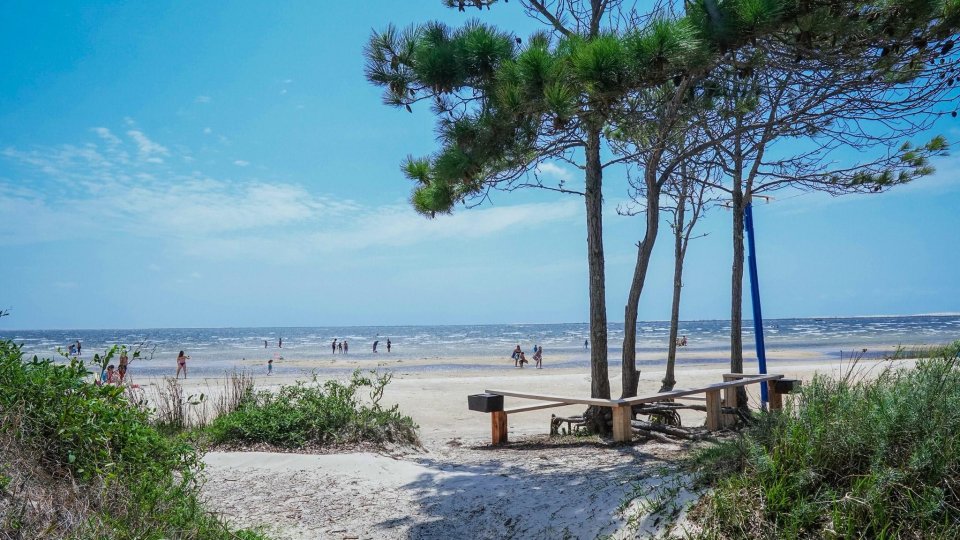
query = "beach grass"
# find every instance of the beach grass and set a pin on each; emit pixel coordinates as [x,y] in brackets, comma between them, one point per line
[850,457]
[313,414]
[78,461]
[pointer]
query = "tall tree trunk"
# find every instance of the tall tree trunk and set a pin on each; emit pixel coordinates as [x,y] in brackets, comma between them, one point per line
[600,382]
[679,251]
[736,296]
[629,374]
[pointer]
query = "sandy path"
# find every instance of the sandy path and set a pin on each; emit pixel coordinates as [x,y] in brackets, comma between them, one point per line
[562,490]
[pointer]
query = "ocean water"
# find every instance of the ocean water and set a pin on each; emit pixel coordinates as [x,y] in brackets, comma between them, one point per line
[215,350]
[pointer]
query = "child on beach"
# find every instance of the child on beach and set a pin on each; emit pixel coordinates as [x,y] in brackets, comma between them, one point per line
[109,376]
[270,367]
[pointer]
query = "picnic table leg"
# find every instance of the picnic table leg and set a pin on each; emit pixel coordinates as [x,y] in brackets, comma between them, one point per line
[714,415]
[621,423]
[498,421]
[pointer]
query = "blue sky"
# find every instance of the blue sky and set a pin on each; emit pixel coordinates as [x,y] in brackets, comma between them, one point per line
[226,164]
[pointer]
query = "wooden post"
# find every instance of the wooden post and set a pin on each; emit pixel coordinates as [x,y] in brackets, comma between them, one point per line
[776,398]
[730,394]
[714,420]
[621,423]
[498,420]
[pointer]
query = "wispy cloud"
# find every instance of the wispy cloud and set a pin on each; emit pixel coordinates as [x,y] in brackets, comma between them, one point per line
[202,99]
[204,215]
[554,172]
[241,163]
[149,151]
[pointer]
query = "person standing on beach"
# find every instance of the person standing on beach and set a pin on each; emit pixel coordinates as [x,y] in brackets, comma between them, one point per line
[375,345]
[181,365]
[340,347]
[586,344]
[78,348]
[122,365]
[269,367]
[388,344]
[281,342]
[516,355]
[346,347]
[538,358]
[264,344]
[333,346]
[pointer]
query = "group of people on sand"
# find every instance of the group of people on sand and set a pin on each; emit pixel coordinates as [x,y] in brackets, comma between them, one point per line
[520,358]
[682,341]
[75,348]
[117,374]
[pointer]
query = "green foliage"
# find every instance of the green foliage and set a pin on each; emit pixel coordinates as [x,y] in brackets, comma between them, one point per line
[303,415]
[851,458]
[93,436]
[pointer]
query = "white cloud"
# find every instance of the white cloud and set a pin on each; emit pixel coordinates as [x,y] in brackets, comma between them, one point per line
[149,151]
[554,172]
[200,215]
[207,131]
[241,163]
[202,99]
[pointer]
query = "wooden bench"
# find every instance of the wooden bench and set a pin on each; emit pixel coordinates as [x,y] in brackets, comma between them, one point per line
[623,408]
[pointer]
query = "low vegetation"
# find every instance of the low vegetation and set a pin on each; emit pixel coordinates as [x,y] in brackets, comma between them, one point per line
[78,461]
[863,456]
[315,414]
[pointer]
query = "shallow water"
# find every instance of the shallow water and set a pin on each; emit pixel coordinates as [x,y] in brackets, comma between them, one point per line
[215,350]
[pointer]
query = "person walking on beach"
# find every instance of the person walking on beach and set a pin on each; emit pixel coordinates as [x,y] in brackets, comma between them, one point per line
[122,365]
[388,344]
[538,358]
[264,344]
[182,365]
[346,347]
[586,344]
[516,355]
[375,345]
[269,367]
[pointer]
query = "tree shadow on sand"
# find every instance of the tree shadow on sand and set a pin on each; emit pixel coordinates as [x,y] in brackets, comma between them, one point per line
[565,488]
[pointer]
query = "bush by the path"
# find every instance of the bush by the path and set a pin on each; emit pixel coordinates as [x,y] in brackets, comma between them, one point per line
[78,461]
[859,457]
[314,415]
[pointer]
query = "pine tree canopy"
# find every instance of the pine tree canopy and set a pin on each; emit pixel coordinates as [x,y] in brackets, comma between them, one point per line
[504,103]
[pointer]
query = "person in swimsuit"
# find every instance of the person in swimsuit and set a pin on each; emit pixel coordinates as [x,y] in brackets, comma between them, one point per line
[122,365]
[538,358]
[375,345]
[270,367]
[333,346]
[523,359]
[388,344]
[346,347]
[181,365]
[516,356]
[340,347]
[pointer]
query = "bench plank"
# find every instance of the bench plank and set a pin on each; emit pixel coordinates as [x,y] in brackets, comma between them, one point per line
[534,407]
[704,389]
[567,400]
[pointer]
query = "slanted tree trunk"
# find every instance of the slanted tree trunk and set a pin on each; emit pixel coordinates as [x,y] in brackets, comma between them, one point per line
[597,418]
[629,374]
[679,252]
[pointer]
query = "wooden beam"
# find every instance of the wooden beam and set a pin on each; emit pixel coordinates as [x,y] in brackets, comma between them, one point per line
[714,415]
[568,400]
[776,398]
[498,427]
[690,391]
[621,423]
[534,407]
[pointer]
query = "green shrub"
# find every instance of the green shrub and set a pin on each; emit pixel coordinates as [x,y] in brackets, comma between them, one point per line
[850,458]
[313,414]
[136,482]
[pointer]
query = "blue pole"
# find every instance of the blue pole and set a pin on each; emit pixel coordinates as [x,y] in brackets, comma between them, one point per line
[755,298]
